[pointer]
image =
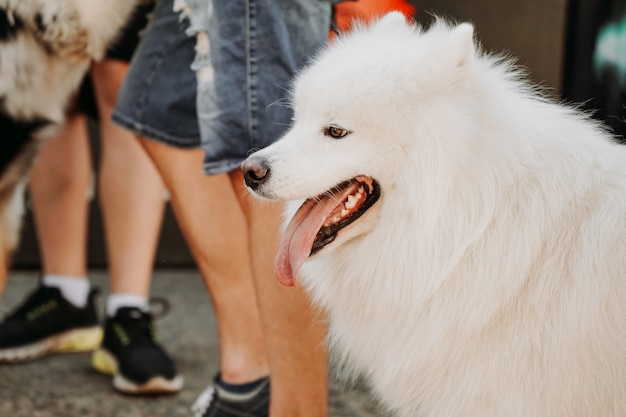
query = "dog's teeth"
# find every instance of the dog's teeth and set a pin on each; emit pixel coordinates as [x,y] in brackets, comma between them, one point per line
[344,212]
[351,202]
[334,220]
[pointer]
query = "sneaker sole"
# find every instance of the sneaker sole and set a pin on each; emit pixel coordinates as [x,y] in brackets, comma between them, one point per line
[105,363]
[76,340]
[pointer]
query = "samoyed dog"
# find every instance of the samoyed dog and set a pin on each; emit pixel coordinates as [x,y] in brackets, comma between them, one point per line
[466,235]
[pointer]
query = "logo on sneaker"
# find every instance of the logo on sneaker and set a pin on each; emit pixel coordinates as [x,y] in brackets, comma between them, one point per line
[41,310]
[121,334]
[153,334]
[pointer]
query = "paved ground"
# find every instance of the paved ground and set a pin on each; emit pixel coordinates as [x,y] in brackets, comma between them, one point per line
[66,386]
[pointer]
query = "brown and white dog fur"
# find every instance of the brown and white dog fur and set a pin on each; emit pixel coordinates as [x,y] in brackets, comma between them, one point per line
[46,48]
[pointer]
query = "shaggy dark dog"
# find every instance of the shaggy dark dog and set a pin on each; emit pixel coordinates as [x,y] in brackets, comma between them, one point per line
[46,47]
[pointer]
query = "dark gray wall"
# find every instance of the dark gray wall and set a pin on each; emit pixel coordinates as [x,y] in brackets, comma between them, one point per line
[531,30]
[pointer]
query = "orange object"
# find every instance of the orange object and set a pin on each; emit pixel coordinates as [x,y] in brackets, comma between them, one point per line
[365,10]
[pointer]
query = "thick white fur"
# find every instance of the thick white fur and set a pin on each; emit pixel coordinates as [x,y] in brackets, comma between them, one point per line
[490,277]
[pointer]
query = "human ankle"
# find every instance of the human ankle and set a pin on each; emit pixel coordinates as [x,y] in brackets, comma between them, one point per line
[74,289]
[116,301]
[240,387]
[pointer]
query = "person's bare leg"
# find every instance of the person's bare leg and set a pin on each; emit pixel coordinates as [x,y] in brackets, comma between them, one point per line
[59,183]
[295,331]
[130,190]
[213,224]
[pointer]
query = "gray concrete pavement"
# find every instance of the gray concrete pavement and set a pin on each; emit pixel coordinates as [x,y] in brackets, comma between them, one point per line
[66,386]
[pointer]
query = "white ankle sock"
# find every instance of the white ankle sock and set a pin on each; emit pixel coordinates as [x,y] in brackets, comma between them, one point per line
[74,289]
[119,300]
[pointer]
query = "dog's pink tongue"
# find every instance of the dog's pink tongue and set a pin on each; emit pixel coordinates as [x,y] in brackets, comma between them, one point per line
[300,234]
[298,238]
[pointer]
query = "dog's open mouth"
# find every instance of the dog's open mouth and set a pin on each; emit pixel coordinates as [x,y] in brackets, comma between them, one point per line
[318,221]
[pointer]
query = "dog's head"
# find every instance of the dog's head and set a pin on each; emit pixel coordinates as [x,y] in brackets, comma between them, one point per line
[358,111]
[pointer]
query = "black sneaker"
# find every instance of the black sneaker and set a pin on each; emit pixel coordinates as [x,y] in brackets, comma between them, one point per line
[214,402]
[47,323]
[131,353]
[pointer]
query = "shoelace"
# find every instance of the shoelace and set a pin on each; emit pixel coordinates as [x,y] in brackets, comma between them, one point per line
[203,401]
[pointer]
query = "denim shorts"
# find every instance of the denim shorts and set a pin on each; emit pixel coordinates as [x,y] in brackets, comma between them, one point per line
[237,105]
[158,97]
[247,53]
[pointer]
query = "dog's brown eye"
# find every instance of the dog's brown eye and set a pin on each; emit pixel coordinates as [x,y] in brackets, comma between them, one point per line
[335,132]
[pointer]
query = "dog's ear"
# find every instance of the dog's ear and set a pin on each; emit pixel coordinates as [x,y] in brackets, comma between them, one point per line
[391,22]
[461,45]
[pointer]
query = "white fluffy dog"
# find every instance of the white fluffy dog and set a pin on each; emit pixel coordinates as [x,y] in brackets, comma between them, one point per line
[46,47]
[466,235]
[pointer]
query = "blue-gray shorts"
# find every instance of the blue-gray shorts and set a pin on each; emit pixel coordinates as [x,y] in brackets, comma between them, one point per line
[158,97]
[256,46]
[244,71]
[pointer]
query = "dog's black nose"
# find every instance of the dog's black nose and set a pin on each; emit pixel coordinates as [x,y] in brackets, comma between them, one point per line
[255,172]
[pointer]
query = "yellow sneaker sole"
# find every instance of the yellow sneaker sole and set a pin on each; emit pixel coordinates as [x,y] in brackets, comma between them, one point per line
[105,363]
[76,340]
